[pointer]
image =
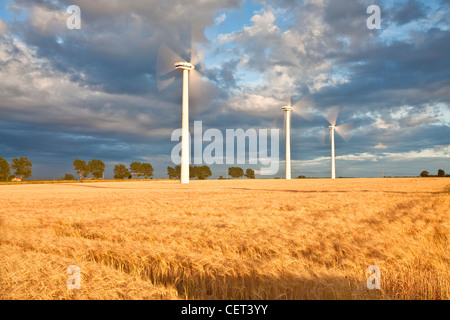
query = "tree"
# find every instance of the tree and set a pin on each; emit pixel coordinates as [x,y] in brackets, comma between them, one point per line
[147,170]
[206,172]
[96,168]
[424,173]
[249,173]
[441,173]
[68,176]
[301,177]
[81,168]
[235,172]
[201,173]
[136,169]
[22,167]
[174,173]
[121,171]
[5,170]
[192,172]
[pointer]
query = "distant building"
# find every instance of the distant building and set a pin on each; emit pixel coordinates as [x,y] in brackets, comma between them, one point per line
[16,179]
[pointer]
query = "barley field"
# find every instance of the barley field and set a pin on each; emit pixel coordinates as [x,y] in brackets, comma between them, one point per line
[229,239]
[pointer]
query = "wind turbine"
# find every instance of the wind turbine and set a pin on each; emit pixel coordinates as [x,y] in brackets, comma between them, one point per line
[167,65]
[344,132]
[298,108]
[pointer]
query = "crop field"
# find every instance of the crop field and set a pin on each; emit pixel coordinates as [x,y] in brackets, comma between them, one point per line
[227,239]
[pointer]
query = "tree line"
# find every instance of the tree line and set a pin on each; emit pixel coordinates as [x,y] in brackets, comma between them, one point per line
[96,168]
[204,172]
[440,173]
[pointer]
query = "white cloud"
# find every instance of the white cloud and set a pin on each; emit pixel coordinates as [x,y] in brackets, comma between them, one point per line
[48,22]
[220,19]
[435,152]
[380,146]
[3,27]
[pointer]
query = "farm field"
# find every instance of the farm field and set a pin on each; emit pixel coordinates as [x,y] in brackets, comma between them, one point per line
[227,239]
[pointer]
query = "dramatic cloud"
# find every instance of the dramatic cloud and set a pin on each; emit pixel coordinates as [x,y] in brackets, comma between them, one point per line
[93,92]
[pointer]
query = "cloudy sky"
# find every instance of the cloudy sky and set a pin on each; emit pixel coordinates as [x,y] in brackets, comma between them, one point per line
[93,93]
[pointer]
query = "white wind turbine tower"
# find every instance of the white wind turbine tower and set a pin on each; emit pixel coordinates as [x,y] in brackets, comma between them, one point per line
[344,132]
[299,108]
[204,91]
[287,121]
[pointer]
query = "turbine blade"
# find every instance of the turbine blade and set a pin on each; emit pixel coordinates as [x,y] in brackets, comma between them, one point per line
[201,93]
[332,115]
[286,101]
[197,36]
[321,136]
[302,107]
[165,70]
[345,130]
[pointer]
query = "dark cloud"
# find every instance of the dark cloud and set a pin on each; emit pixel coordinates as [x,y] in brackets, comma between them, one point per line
[403,13]
[92,92]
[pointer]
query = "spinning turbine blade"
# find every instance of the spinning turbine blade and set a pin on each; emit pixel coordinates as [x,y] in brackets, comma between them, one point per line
[195,38]
[302,106]
[344,130]
[332,115]
[202,93]
[165,71]
[321,136]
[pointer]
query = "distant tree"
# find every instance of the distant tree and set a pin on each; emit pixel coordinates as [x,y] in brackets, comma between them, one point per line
[201,172]
[301,177]
[68,176]
[96,168]
[235,172]
[424,173]
[174,173]
[441,173]
[5,170]
[249,173]
[22,167]
[221,177]
[81,168]
[136,169]
[121,171]
[196,172]
[147,170]
[192,172]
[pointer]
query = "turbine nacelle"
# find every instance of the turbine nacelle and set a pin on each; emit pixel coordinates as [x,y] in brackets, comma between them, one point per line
[184,66]
[332,127]
[287,108]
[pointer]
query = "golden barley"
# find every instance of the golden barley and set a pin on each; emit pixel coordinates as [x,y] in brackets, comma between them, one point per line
[246,239]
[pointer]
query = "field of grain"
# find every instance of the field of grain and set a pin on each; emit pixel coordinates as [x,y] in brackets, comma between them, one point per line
[241,239]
